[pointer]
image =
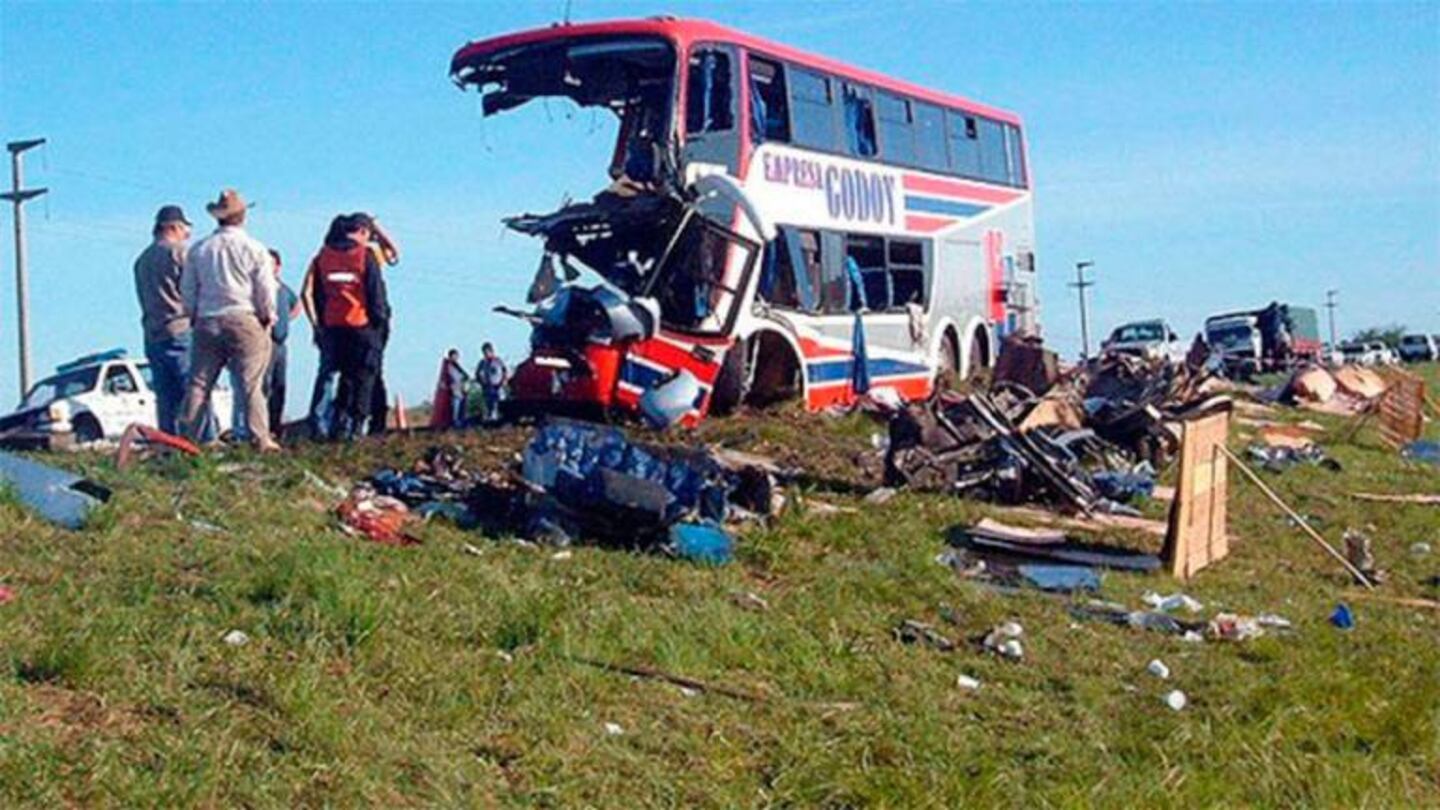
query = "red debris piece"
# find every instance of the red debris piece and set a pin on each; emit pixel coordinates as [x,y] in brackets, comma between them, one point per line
[6,594]
[379,518]
[138,438]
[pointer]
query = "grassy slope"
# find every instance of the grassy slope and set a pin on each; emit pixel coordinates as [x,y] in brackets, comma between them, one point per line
[376,675]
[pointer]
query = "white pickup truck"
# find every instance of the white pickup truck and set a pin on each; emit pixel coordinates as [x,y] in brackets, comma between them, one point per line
[93,398]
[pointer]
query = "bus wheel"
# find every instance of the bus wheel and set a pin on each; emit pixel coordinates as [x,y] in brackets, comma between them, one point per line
[733,381]
[774,371]
[976,355]
[947,369]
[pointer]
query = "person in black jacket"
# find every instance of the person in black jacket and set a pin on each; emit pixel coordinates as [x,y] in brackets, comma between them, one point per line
[354,311]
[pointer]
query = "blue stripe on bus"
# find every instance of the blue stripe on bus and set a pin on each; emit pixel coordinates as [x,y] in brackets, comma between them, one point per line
[840,369]
[643,377]
[932,205]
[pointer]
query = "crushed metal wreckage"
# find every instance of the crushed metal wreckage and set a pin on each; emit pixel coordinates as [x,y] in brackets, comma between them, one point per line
[1089,443]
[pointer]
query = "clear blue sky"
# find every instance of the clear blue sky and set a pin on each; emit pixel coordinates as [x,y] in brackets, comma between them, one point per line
[1204,156]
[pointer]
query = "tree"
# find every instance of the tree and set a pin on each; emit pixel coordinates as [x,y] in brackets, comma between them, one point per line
[1389,335]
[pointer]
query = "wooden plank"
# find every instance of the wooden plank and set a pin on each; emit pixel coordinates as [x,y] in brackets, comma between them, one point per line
[1401,409]
[1196,534]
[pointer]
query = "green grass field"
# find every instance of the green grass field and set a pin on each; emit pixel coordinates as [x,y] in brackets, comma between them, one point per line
[433,677]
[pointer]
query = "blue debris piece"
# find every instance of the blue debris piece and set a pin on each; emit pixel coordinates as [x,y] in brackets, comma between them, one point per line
[1124,487]
[1426,451]
[1342,617]
[597,472]
[1061,578]
[60,497]
[702,543]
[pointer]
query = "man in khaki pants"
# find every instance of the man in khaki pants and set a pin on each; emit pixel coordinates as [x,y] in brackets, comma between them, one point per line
[228,285]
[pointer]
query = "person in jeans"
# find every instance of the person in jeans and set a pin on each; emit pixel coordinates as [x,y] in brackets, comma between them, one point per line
[327,372]
[229,289]
[162,308]
[492,375]
[349,298]
[455,380]
[287,307]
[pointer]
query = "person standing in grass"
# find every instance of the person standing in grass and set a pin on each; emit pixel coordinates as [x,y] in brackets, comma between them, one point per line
[287,308]
[228,286]
[162,310]
[492,375]
[351,304]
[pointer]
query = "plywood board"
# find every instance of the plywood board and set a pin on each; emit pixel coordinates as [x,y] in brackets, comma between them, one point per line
[1196,534]
[1401,417]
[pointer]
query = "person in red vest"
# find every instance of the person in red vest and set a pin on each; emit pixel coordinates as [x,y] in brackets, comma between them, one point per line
[352,307]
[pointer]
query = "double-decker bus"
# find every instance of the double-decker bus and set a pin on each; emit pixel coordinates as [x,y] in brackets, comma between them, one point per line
[760,198]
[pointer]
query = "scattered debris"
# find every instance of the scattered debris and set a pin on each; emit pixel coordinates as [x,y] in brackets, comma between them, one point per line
[650,673]
[1060,578]
[1279,459]
[380,518]
[1420,549]
[1003,540]
[911,631]
[703,543]
[7,594]
[235,638]
[60,497]
[1157,668]
[1426,451]
[1233,627]
[1342,618]
[1172,602]
[1358,550]
[880,496]
[1176,699]
[966,682]
[1004,640]
[562,555]
[1196,535]
[142,440]
[749,600]
[614,729]
[472,550]
[1423,499]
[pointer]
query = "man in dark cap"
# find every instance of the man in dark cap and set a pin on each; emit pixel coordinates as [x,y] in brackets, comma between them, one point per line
[162,308]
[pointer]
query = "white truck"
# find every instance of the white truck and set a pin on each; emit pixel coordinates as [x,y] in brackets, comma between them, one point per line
[91,399]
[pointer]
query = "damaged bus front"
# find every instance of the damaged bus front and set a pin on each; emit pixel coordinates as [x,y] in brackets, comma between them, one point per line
[777,224]
[671,268]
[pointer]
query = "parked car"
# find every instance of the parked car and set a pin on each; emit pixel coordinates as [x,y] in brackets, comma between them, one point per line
[1149,339]
[1385,355]
[93,398]
[1419,349]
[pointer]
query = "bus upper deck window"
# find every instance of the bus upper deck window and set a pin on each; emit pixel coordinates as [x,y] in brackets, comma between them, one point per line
[964,144]
[993,161]
[859,122]
[769,112]
[709,104]
[930,137]
[812,106]
[897,128]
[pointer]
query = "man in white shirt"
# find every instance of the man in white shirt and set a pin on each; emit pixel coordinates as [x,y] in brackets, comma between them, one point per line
[228,285]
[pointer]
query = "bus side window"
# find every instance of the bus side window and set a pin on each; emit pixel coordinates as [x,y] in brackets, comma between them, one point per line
[964,144]
[907,272]
[930,137]
[859,122]
[992,152]
[1016,155]
[812,106]
[868,254]
[709,104]
[897,128]
[834,281]
[769,112]
[792,273]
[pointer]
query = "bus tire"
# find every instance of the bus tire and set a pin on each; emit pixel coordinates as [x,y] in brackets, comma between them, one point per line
[732,381]
[947,366]
[774,374]
[977,356]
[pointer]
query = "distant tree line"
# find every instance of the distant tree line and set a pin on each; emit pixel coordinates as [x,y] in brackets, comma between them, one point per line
[1389,334]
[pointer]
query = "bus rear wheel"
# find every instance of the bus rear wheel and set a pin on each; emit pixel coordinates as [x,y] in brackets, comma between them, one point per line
[947,367]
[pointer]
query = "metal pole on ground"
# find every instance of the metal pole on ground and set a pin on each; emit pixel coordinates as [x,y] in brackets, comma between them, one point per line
[18,196]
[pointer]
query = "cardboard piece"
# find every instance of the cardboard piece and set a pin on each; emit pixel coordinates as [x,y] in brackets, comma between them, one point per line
[1401,410]
[1196,535]
[1359,381]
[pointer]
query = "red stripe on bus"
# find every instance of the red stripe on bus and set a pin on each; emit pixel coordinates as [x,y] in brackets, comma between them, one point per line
[973,192]
[813,350]
[914,388]
[924,224]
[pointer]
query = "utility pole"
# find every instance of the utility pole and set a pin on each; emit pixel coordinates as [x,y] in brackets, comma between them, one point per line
[18,196]
[1080,284]
[1330,307]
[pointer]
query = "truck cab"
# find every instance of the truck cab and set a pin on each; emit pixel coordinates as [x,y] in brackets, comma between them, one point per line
[1237,340]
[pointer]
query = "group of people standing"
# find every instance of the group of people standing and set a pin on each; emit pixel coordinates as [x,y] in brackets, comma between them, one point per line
[220,304]
[452,392]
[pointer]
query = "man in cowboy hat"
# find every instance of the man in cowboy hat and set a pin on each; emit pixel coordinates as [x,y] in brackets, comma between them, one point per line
[229,288]
[162,310]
